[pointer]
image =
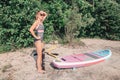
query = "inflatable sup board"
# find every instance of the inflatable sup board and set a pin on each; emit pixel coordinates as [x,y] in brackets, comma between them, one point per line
[82,59]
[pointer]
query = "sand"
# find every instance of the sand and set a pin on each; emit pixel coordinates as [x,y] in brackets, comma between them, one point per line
[20,65]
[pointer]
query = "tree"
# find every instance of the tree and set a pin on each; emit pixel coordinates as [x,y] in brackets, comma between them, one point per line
[78,18]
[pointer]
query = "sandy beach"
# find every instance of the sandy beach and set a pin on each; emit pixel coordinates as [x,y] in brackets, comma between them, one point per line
[20,65]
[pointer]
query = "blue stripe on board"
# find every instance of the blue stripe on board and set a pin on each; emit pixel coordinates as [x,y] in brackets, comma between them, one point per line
[102,53]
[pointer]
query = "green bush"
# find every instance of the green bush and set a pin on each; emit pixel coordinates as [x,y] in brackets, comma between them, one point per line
[17,16]
[56,19]
[82,18]
[107,20]
[78,18]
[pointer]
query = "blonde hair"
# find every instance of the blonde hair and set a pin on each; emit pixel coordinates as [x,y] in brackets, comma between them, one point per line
[37,14]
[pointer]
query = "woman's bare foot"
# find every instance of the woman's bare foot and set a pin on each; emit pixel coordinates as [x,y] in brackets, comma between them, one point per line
[42,71]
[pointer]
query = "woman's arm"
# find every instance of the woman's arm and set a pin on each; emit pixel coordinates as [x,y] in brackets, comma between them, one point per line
[45,14]
[35,24]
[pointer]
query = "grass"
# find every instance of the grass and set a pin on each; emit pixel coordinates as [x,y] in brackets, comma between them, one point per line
[4,48]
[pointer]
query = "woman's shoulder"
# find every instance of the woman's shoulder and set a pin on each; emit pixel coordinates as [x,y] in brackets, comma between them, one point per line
[36,22]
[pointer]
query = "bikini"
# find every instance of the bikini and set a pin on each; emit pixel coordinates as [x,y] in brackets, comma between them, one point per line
[39,32]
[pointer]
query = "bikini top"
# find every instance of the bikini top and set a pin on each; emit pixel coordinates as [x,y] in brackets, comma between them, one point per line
[40,29]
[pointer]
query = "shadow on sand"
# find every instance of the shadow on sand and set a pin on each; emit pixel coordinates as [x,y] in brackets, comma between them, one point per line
[34,55]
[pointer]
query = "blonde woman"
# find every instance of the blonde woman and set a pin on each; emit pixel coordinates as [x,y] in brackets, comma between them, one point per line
[37,31]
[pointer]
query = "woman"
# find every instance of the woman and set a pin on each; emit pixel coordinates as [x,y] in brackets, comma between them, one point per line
[38,27]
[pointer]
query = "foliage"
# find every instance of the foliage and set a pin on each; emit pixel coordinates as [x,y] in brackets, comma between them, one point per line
[78,18]
[17,17]
[107,15]
[56,19]
[67,19]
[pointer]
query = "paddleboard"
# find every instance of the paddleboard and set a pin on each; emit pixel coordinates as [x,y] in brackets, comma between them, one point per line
[82,59]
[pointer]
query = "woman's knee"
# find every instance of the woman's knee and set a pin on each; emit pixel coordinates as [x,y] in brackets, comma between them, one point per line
[39,56]
[39,51]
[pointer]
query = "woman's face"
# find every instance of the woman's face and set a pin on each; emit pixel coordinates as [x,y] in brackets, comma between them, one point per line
[41,15]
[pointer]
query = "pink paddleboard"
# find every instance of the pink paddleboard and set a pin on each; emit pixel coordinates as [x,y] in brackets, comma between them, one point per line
[83,59]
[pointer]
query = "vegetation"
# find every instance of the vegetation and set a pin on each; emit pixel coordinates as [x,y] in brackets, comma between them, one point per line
[67,20]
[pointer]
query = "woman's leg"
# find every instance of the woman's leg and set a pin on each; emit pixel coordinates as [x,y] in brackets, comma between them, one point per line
[38,45]
[42,45]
